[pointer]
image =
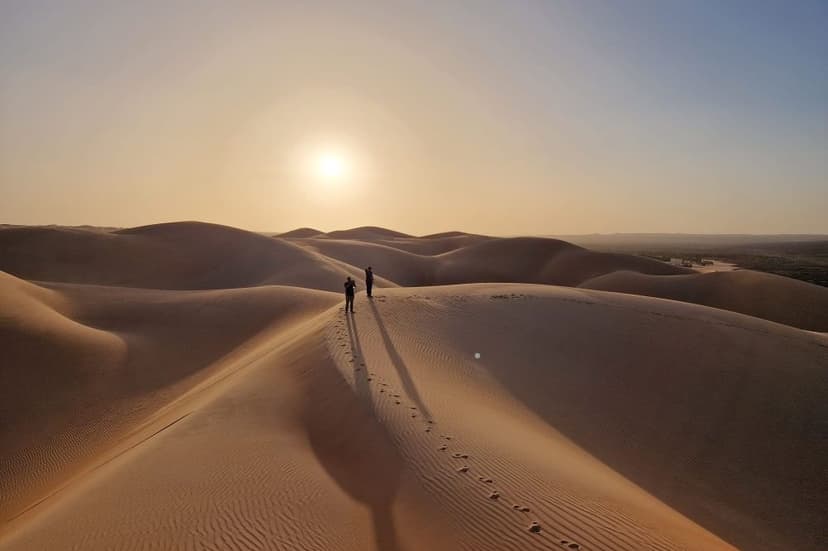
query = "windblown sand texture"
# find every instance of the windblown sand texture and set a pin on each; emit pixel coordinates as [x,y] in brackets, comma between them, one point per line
[193,386]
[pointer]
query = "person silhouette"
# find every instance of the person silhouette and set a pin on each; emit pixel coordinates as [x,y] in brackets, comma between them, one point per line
[369,281]
[350,289]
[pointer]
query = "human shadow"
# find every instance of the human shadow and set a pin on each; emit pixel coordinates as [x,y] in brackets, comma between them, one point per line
[360,372]
[399,365]
[351,445]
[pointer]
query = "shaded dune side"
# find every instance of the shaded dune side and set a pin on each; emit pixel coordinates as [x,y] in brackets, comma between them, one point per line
[181,255]
[83,364]
[767,296]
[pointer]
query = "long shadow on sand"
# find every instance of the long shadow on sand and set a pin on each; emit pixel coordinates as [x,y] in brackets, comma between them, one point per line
[402,371]
[352,446]
[360,372]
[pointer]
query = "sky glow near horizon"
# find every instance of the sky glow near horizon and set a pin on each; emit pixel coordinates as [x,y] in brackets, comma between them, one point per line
[542,117]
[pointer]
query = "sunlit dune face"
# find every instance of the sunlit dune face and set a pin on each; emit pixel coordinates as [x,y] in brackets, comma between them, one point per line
[331,166]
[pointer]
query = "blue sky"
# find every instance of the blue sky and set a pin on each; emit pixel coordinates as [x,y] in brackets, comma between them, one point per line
[498,117]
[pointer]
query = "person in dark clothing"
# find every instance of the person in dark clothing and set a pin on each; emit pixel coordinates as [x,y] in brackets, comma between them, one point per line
[369,281]
[350,289]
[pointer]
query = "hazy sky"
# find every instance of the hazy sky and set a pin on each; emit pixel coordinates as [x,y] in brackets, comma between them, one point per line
[500,117]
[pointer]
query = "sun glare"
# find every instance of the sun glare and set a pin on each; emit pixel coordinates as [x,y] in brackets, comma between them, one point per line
[331,166]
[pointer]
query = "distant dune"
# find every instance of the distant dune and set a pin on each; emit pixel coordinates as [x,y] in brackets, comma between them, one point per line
[185,255]
[445,234]
[537,260]
[767,296]
[301,232]
[366,232]
[190,385]
[193,255]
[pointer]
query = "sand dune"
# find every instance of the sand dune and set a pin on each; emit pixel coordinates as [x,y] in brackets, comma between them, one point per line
[396,265]
[767,296]
[84,364]
[366,233]
[537,260]
[253,416]
[332,447]
[301,232]
[521,260]
[191,255]
[430,246]
[449,234]
[185,255]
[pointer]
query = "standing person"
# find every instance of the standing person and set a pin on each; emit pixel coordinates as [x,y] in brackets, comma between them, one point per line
[350,289]
[369,281]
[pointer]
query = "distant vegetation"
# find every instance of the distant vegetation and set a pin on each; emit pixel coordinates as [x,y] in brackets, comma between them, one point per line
[802,257]
[806,261]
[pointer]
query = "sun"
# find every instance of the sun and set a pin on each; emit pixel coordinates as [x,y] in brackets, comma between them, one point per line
[331,166]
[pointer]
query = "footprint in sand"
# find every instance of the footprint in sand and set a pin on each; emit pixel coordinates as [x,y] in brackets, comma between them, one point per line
[534,527]
[428,429]
[570,544]
[413,415]
[521,508]
[463,469]
[443,448]
[494,495]
[397,402]
[460,455]
[445,436]
[485,480]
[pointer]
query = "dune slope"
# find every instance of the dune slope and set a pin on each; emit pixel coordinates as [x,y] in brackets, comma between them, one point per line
[382,430]
[84,365]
